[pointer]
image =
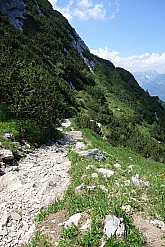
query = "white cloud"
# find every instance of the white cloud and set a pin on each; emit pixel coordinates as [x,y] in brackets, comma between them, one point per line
[84,4]
[96,12]
[146,61]
[87,9]
[115,11]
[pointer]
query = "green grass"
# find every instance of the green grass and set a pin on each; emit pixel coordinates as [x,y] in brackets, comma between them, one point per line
[40,241]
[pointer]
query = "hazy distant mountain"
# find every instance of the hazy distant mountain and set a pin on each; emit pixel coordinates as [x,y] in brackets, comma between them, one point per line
[152,81]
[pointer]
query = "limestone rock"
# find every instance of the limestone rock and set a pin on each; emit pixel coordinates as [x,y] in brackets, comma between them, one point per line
[158,223]
[16,216]
[80,145]
[73,220]
[86,225]
[94,175]
[126,208]
[9,136]
[137,182]
[6,154]
[113,227]
[4,219]
[117,165]
[103,188]
[106,173]
[95,153]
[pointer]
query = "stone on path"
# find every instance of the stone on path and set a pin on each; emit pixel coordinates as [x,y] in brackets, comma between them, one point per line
[158,223]
[6,154]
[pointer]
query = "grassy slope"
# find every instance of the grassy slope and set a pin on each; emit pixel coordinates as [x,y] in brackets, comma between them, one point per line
[97,203]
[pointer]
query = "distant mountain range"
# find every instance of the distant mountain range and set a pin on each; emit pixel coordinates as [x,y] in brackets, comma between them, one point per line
[152,81]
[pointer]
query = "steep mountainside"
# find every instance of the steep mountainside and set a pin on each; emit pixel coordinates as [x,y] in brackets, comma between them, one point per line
[48,73]
[153,82]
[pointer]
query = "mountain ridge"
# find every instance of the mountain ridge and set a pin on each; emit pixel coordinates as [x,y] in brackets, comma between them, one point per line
[153,82]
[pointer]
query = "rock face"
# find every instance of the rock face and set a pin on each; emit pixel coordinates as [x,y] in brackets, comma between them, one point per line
[14,10]
[41,178]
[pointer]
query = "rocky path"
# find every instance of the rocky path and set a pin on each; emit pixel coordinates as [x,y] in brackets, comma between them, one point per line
[37,181]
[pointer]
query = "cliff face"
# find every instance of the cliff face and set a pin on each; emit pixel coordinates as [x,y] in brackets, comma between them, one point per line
[14,10]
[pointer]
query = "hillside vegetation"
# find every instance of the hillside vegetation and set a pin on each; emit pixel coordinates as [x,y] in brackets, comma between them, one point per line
[47,73]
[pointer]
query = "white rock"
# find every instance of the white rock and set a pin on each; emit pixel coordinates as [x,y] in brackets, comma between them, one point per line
[73,220]
[15,216]
[126,208]
[127,182]
[66,123]
[158,223]
[79,145]
[29,233]
[103,188]
[91,187]
[135,180]
[107,173]
[78,188]
[8,136]
[6,154]
[89,167]
[4,219]
[94,175]
[87,225]
[113,226]
[117,165]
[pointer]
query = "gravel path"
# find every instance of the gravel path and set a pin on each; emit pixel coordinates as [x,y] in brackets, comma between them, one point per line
[39,179]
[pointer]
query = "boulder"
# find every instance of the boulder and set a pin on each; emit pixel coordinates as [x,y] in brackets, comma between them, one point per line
[113,227]
[95,153]
[6,154]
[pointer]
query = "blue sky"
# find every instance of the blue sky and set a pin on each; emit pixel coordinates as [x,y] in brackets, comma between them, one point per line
[130,33]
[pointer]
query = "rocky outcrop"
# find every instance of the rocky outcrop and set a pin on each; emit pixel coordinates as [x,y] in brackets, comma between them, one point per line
[14,10]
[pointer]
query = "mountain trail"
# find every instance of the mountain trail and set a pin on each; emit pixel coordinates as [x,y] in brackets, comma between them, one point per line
[37,181]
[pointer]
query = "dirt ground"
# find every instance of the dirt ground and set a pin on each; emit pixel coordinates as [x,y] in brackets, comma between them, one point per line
[153,234]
